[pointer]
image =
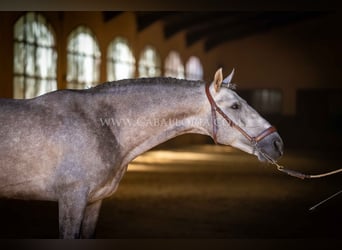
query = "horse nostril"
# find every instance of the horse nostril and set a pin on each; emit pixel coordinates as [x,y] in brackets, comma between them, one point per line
[278,144]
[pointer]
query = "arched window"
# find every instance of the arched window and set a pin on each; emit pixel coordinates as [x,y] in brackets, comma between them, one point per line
[174,66]
[35,57]
[83,59]
[149,63]
[194,69]
[120,60]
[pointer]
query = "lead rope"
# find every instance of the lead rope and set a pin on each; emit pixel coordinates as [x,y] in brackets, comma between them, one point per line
[301,175]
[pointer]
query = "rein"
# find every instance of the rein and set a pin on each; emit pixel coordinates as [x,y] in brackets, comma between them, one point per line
[304,176]
[295,173]
[254,141]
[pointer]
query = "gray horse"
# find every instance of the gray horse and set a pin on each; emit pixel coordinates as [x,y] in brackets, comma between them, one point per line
[73,146]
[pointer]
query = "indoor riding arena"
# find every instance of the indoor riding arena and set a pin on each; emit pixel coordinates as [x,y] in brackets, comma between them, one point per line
[287,67]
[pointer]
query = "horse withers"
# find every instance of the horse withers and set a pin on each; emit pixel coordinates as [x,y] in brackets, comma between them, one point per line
[73,146]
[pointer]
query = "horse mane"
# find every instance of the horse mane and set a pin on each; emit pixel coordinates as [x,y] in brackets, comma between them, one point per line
[146,82]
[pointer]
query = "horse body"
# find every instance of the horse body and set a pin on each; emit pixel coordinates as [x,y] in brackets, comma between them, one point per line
[74,146]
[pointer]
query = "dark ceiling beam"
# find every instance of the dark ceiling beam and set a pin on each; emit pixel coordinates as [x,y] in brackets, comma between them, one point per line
[109,15]
[215,28]
[147,18]
[184,21]
[218,24]
[270,21]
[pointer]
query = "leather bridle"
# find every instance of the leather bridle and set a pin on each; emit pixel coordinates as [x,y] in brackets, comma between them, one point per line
[214,108]
[254,141]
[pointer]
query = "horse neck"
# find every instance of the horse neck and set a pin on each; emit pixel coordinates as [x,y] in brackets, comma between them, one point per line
[146,116]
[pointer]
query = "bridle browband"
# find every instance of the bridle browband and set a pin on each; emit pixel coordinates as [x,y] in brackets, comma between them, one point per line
[214,108]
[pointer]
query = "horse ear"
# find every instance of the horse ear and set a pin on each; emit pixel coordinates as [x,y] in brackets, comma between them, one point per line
[218,79]
[228,79]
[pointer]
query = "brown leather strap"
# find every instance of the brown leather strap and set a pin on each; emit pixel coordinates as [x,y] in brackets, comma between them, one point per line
[215,108]
[265,133]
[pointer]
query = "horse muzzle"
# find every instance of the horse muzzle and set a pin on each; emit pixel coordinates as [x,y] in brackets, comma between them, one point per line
[270,148]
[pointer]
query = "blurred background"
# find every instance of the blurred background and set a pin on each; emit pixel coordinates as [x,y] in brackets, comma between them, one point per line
[287,62]
[288,67]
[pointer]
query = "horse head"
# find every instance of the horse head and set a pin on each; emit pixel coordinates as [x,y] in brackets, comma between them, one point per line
[236,123]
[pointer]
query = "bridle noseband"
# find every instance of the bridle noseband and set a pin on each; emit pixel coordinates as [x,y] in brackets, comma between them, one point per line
[214,108]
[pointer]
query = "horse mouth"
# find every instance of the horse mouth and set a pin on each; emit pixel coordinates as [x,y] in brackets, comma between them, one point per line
[270,150]
[262,157]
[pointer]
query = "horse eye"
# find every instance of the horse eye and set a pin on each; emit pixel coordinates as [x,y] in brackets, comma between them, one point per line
[235,106]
